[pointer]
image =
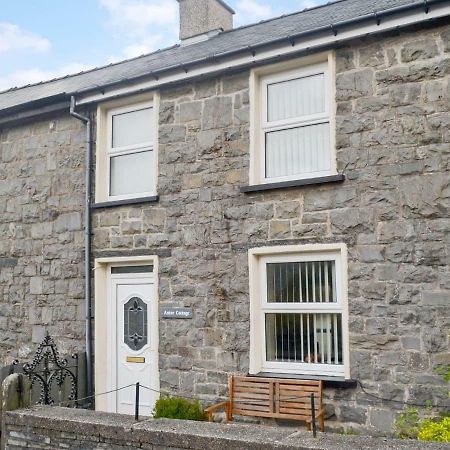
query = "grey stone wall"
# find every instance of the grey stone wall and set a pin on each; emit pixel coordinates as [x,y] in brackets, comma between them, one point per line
[41,237]
[392,211]
[58,428]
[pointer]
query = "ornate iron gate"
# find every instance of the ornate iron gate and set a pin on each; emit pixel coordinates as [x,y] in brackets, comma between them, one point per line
[48,372]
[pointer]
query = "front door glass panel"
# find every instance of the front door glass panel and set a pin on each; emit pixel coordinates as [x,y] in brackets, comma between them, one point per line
[135,323]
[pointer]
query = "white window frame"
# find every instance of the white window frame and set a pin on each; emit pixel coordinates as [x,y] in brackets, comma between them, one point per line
[258,259]
[104,150]
[127,150]
[260,78]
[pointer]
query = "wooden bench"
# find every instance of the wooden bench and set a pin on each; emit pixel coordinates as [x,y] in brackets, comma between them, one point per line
[272,398]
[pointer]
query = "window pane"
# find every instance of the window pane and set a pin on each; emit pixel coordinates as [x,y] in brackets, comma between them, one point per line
[135,323]
[296,98]
[297,151]
[132,128]
[307,338]
[301,282]
[131,174]
[131,269]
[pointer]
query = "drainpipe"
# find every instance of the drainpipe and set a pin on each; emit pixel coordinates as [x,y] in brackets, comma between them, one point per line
[87,246]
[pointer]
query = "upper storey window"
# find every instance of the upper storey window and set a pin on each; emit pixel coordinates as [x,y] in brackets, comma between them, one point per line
[126,151]
[130,152]
[292,138]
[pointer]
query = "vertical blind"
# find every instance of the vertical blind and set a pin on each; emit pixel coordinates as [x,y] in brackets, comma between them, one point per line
[301,282]
[131,173]
[132,128]
[296,151]
[295,98]
[302,336]
[297,132]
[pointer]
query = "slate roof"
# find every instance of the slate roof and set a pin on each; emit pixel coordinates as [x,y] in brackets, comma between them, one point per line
[262,33]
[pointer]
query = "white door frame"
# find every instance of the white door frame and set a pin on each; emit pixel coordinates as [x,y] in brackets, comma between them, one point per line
[103,321]
[112,348]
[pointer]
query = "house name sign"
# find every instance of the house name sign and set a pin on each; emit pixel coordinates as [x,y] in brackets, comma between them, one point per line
[176,313]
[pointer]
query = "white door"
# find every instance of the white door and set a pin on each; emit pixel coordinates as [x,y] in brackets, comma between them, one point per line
[133,340]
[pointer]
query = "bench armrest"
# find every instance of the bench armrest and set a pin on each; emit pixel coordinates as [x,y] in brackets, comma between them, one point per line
[212,409]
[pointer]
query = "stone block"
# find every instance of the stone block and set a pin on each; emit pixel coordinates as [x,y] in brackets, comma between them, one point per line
[242,116]
[190,111]
[236,82]
[373,56]
[434,91]
[217,113]
[280,229]
[68,222]
[15,393]
[370,253]
[352,414]
[404,94]
[167,113]
[425,196]
[382,419]
[354,84]
[37,333]
[41,230]
[36,285]
[345,60]
[309,231]
[287,210]
[172,133]
[422,49]
[206,88]
[315,200]
[352,220]
[436,299]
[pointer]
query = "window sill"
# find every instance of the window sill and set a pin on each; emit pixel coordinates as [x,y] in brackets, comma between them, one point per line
[294,183]
[129,201]
[331,382]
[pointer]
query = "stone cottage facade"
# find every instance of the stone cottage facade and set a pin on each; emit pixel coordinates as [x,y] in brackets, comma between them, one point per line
[220,236]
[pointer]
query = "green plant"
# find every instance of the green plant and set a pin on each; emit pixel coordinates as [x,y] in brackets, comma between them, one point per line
[407,424]
[444,372]
[178,408]
[435,430]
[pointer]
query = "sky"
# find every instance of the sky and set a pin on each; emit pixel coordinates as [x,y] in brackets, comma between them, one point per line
[44,39]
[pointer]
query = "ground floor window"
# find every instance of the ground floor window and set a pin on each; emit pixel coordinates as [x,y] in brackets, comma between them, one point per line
[299,310]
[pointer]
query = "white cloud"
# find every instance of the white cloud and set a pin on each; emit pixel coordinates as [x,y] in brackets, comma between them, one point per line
[137,16]
[309,3]
[250,11]
[13,38]
[34,75]
[143,25]
[147,45]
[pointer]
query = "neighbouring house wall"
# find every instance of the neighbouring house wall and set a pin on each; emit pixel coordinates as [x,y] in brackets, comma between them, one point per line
[392,211]
[41,237]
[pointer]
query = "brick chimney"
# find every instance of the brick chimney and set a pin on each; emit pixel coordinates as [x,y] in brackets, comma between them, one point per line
[200,19]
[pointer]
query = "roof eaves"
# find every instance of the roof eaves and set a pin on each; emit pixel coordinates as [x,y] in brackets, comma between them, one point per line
[331,28]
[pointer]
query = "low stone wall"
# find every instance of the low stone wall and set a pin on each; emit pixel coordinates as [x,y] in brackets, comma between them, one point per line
[46,427]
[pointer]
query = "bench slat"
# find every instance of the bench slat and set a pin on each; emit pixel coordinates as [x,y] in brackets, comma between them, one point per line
[246,395]
[247,407]
[256,390]
[291,387]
